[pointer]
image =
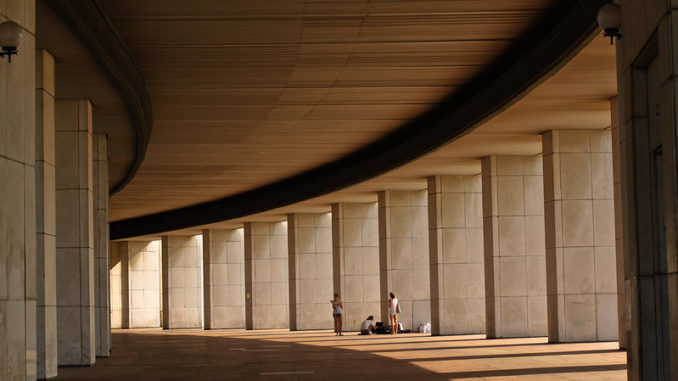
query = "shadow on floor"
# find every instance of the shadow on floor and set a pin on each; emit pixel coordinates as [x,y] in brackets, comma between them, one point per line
[212,355]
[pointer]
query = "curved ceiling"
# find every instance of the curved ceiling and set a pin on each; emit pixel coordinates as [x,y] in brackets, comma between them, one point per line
[92,63]
[248,93]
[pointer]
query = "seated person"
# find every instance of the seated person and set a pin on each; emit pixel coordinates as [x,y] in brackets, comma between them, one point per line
[367,328]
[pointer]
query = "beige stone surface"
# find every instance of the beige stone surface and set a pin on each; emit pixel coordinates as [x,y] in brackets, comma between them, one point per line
[310,270]
[456,254]
[101,245]
[355,255]
[143,284]
[18,205]
[623,323]
[181,282]
[266,275]
[224,278]
[403,255]
[280,354]
[580,224]
[514,248]
[75,233]
[46,314]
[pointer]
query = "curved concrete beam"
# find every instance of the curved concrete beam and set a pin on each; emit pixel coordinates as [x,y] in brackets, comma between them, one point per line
[543,49]
[96,32]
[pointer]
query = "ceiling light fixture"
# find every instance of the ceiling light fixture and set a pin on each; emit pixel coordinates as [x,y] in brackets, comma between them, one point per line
[609,18]
[10,39]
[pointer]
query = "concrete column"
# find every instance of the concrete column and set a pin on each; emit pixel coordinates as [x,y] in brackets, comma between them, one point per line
[355,253]
[119,269]
[646,67]
[181,282]
[455,221]
[403,255]
[513,229]
[266,276]
[75,230]
[46,314]
[101,246]
[143,283]
[580,255]
[17,202]
[310,270]
[224,278]
[618,224]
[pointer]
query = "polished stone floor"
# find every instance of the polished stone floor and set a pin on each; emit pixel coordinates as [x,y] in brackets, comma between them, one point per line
[154,354]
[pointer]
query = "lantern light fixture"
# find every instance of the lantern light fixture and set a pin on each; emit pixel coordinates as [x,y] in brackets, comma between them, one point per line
[609,18]
[10,39]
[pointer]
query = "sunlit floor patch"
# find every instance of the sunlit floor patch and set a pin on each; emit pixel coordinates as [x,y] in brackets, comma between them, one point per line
[154,354]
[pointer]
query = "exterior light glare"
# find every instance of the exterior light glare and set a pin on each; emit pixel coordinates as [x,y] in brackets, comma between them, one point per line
[10,39]
[609,18]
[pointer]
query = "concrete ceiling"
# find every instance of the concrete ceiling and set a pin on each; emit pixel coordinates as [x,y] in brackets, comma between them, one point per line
[247,93]
[576,97]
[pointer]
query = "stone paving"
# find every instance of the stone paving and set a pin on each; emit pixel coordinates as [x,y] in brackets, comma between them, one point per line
[154,354]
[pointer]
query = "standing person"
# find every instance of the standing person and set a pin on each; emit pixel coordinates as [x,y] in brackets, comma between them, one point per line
[393,312]
[337,309]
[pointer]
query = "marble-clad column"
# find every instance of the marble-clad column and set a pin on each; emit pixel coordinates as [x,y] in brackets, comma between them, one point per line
[403,255]
[142,283]
[75,231]
[266,275]
[618,223]
[580,254]
[224,278]
[456,255]
[45,192]
[101,246]
[17,201]
[355,253]
[119,275]
[181,282]
[647,72]
[310,270]
[513,229]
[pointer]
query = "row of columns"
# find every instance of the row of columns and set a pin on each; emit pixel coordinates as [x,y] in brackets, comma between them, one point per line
[526,248]
[68,324]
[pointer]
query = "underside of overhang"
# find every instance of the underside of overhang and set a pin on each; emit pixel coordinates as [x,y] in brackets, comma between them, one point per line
[267,108]
[543,45]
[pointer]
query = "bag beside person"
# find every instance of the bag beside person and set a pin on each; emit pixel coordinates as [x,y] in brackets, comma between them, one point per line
[398,308]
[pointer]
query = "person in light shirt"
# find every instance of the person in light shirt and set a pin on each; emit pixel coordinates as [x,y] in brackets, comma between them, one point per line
[337,309]
[368,328]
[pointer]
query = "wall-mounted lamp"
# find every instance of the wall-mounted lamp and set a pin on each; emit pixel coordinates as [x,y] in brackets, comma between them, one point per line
[609,18]
[10,39]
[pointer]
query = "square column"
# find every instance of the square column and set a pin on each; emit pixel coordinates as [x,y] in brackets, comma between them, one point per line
[355,253]
[455,215]
[224,278]
[45,192]
[647,107]
[119,280]
[403,255]
[618,223]
[181,282]
[75,233]
[143,283]
[310,270]
[513,229]
[266,275]
[580,254]
[101,246]
[17,202]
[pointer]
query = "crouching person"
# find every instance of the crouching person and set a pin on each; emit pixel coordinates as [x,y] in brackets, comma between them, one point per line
[368,328]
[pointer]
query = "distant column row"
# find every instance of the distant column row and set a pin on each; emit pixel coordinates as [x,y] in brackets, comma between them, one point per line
[526,248]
